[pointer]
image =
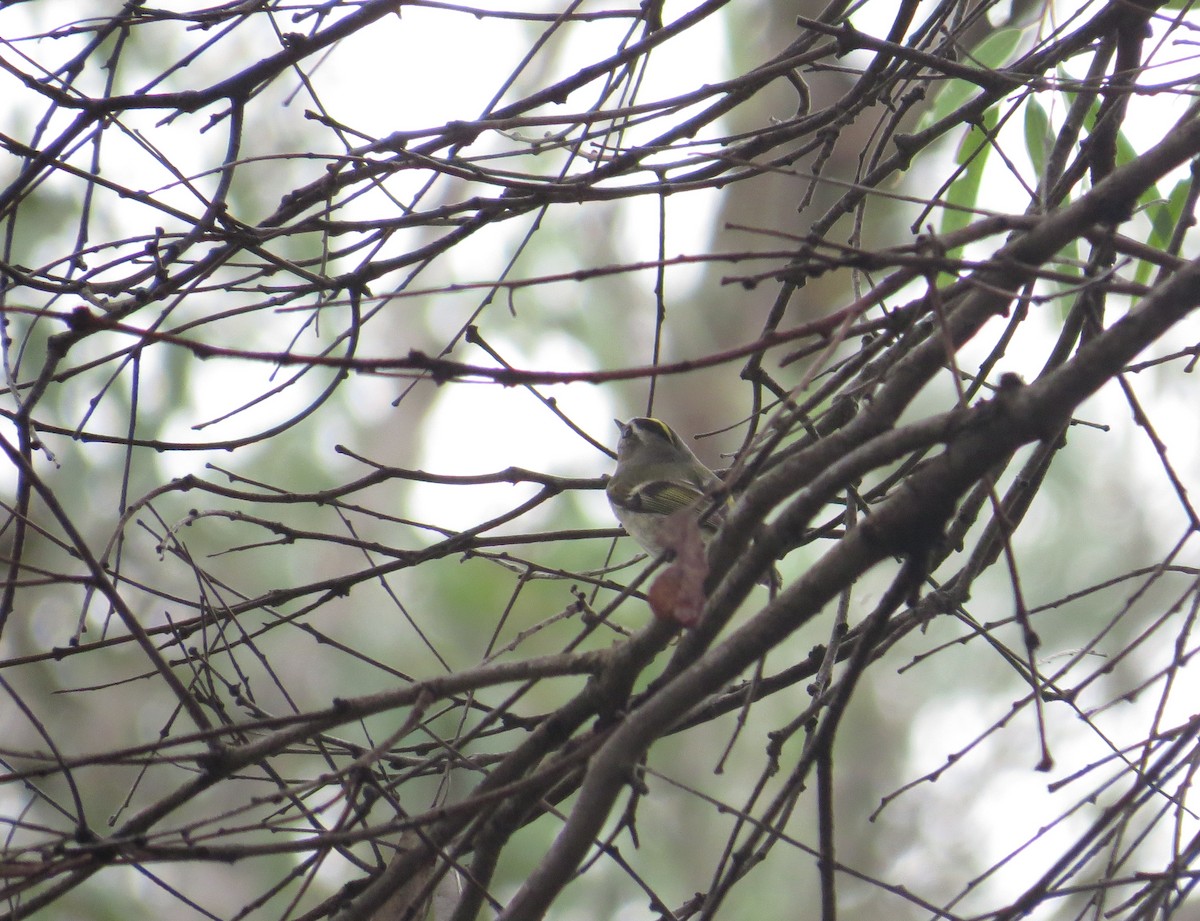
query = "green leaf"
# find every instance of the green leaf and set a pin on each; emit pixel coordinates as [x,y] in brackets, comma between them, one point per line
[993,52]
[1037,134]
[1125,150]
[996,49]
[973,152]
[1164,216]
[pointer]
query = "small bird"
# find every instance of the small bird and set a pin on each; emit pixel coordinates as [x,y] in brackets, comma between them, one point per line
[657,475]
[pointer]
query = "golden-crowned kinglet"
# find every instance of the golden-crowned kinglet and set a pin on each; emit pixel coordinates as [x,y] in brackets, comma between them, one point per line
[656,476]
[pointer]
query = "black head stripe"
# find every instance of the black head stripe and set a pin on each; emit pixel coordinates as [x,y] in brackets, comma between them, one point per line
[653,427]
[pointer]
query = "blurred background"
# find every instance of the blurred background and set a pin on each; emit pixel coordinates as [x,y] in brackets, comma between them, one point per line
[237,237]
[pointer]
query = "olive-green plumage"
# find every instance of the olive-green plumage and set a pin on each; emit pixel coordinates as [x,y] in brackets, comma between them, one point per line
[656,476]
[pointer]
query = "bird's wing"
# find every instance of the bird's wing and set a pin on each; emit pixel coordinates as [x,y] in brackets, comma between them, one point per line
[663,497]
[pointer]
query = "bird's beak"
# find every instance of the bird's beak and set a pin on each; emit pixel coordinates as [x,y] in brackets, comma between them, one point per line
[620,424]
